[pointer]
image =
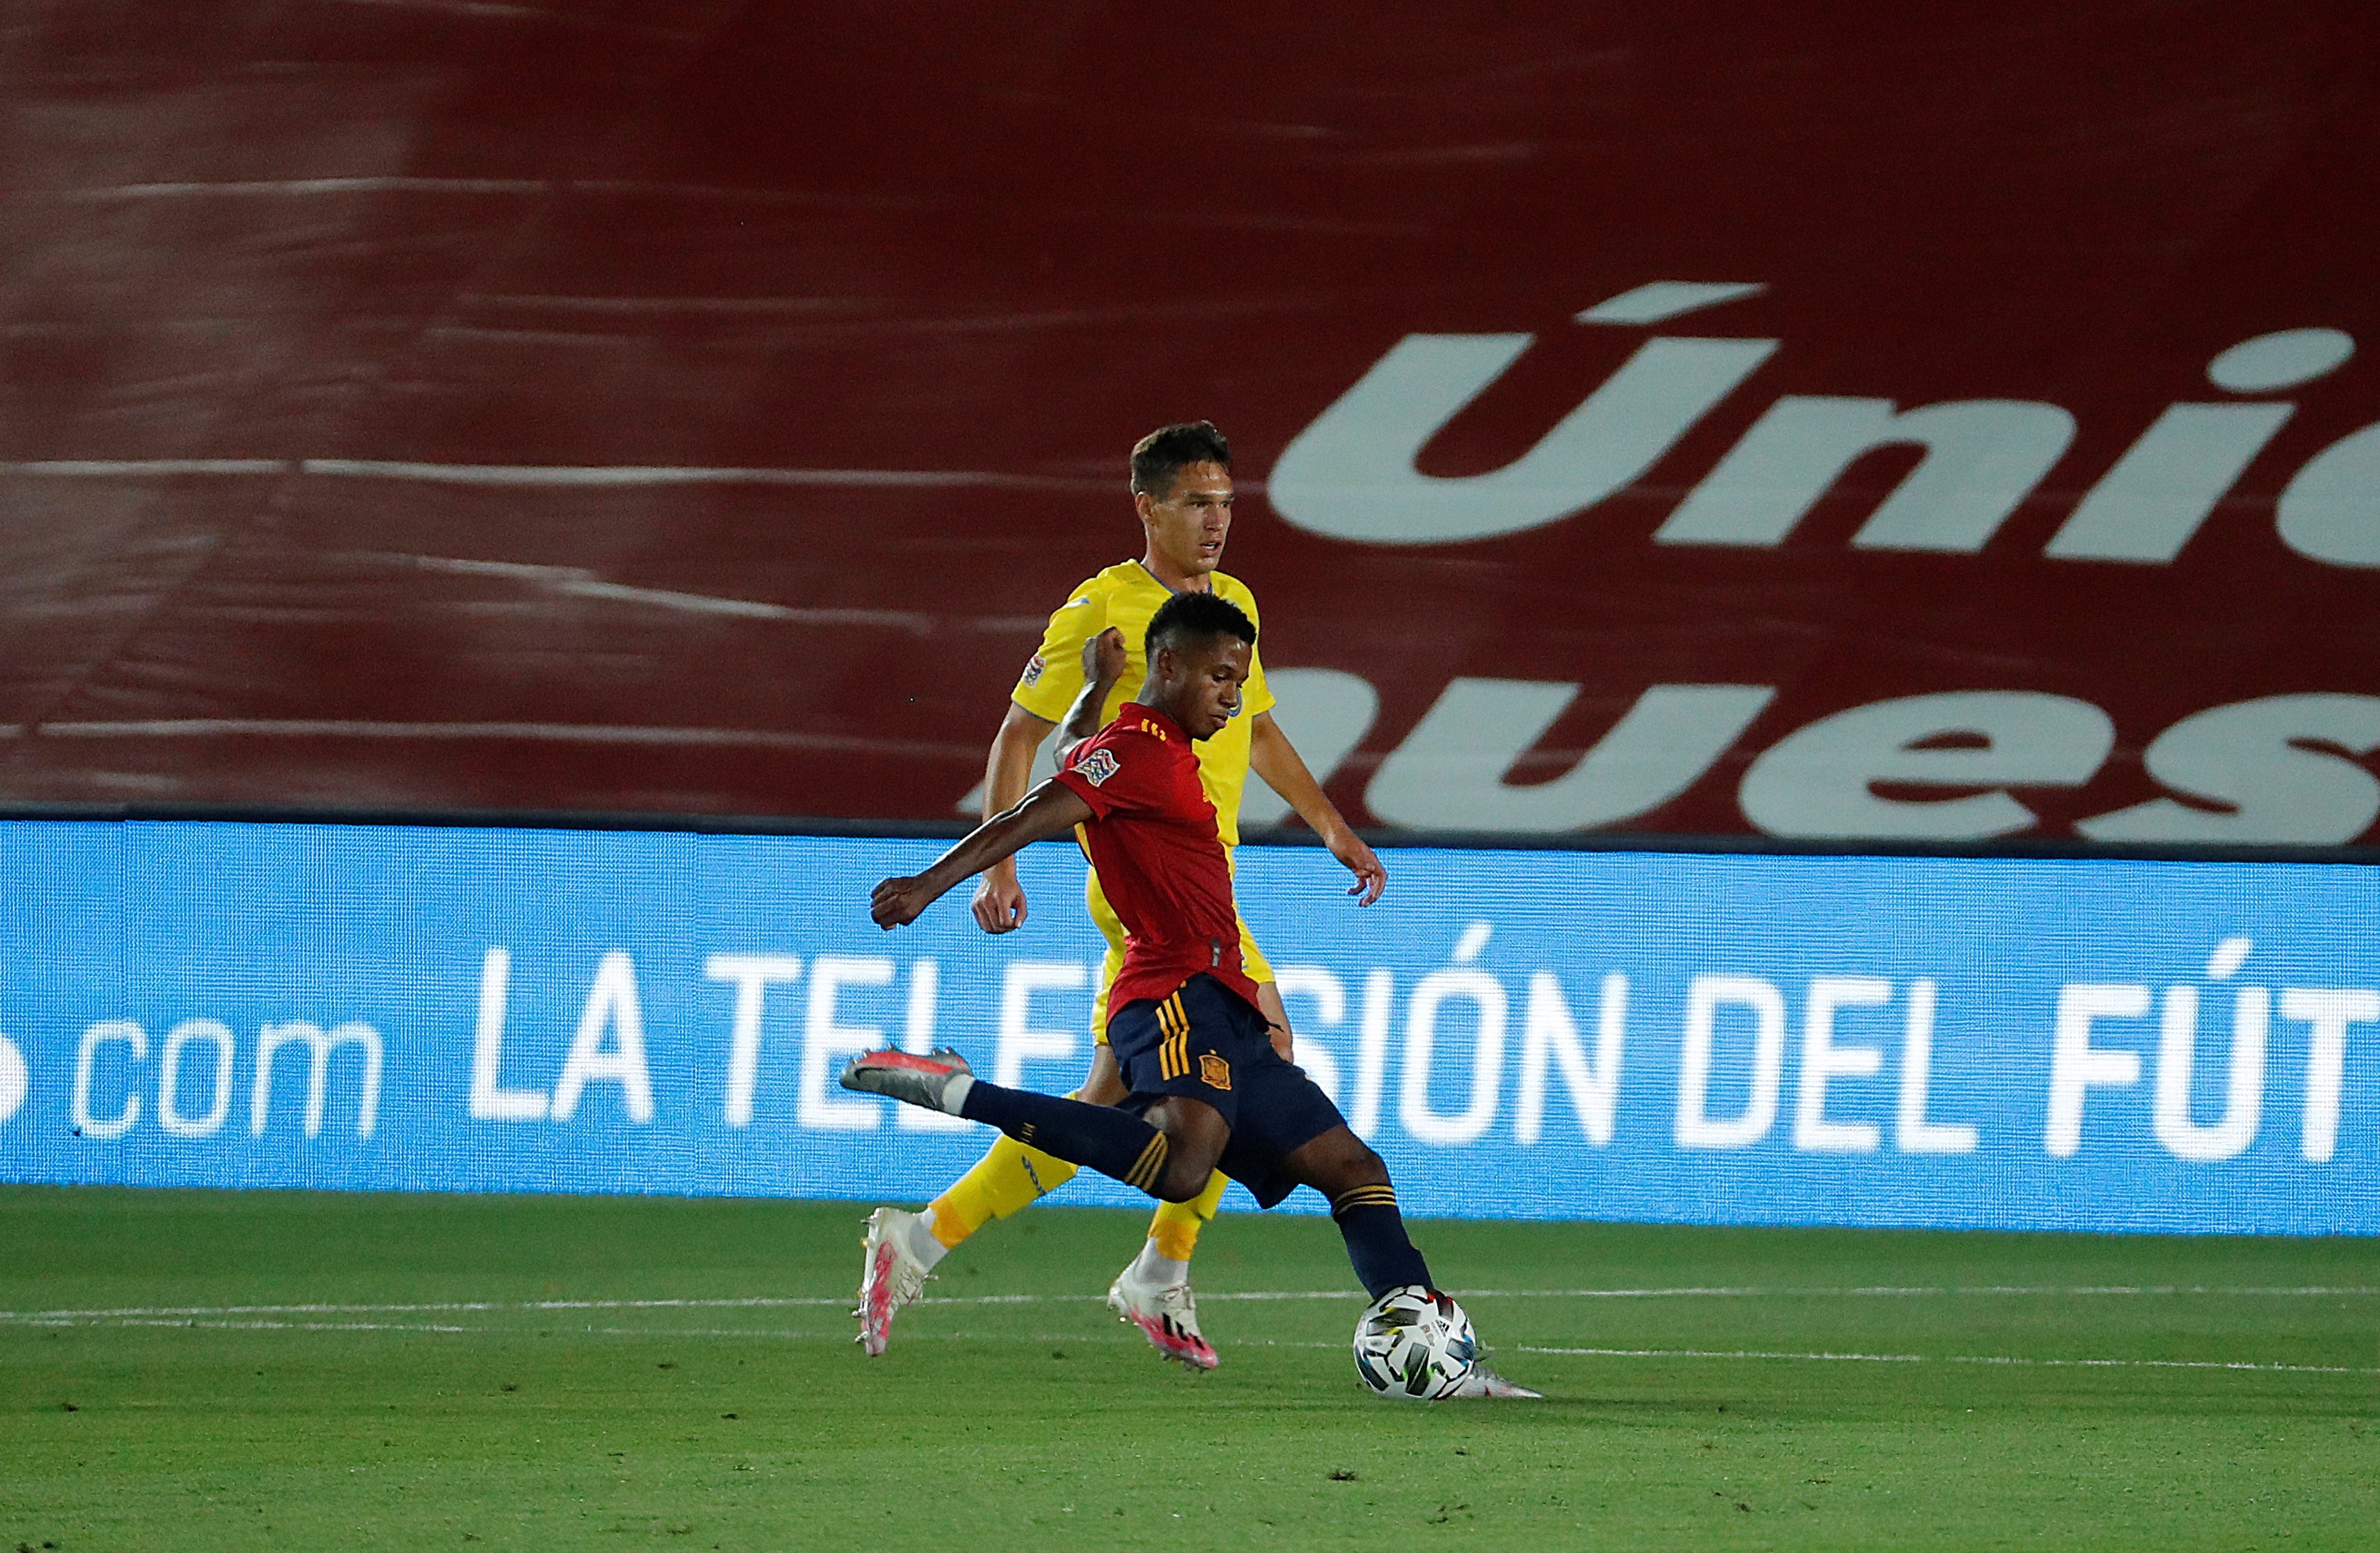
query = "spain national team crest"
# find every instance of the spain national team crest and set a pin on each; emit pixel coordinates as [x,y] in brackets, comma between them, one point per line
[1214,1071]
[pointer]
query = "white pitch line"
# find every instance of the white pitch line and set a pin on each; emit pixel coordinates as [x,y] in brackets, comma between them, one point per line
[2156,1364]
[2004,1359]
[480,1306]
[272,1326]
[1733,1353]
[1922,1291]
[180,1314]
[664,1333]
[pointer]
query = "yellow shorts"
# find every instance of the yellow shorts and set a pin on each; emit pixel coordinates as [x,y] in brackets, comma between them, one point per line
[1251,959]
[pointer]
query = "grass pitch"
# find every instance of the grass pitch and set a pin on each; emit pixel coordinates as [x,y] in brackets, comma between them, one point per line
[211,1370]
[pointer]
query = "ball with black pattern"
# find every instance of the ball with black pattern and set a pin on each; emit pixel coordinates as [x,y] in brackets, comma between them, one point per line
[1414,1344]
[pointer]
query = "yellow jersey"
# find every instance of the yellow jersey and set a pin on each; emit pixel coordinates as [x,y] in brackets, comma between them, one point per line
[1127,597]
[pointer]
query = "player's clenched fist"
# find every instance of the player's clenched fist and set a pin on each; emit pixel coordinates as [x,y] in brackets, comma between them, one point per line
[1104,658]
[896,901]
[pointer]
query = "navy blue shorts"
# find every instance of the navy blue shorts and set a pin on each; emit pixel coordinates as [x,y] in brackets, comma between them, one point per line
[1211,1044]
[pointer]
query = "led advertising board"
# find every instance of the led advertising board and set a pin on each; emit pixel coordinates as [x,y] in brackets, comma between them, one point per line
[2013,1043]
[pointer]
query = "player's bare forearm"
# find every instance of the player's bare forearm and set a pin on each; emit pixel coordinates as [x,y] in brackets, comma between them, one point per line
[1009,765]
[1283,769]
[1000,899]
[1050,809]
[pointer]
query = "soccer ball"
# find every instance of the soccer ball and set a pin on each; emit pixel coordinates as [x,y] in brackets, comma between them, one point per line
[1415,1343]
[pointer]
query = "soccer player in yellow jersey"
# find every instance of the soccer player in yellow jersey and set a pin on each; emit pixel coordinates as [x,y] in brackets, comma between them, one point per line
[1181,489]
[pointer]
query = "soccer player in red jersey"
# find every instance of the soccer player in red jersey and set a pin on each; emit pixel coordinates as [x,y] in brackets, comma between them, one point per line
[1183,494]
[1208,1089]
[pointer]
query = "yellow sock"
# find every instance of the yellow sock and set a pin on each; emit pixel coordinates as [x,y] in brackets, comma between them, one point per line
[1176,1225]
[1008,1176]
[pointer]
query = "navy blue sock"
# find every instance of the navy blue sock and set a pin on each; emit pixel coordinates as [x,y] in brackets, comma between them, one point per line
[1109,1141]
[1375,1232]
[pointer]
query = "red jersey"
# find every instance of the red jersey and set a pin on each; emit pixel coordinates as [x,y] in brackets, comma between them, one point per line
[1151,836]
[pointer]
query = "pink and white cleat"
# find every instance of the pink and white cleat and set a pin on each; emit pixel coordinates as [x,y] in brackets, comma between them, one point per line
[938,1080]
[890,1277]
[1166,1316]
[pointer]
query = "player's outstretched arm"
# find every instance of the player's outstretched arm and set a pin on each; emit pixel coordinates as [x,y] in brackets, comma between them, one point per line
[1283,769]
[1050,809]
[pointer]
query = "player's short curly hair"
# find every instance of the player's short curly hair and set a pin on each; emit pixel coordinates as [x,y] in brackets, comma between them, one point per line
[1168,450]
[1197,615]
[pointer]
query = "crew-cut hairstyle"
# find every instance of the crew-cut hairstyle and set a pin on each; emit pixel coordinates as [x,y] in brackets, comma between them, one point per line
[1197,615]
[1166,451]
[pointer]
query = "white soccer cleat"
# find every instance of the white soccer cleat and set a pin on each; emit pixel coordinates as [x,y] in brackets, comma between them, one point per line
[1166,1316]
[890,1277]
[1485,1382]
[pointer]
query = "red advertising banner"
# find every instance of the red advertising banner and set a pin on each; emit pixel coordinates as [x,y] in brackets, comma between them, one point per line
[1929,423]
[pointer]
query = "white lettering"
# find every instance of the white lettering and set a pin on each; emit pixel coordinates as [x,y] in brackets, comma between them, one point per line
[753,975]
[2147,507]
[1547,1031]
[272,1038]
[2330,1011]
[1449,772]
[1816,782]
[1329,996]
[2330,510]
[1823,1059]
[2177,1062]
[2075,1065]
[827,1041]
[1705,997]
[2283,360]
[111,1032]
[1326,714]
[918,1035]
[613,1007]
[1372,1053]
[1659,301]
[1484,993]
[1019,1042]
[1352,474]
[189,1033]
[490,1102]
[2223,962]
[1982,457]
[14,1080]
[1912,1133]
[2251,758]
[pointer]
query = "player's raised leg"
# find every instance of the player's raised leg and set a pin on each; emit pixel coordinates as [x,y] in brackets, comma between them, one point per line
[1170,1157]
